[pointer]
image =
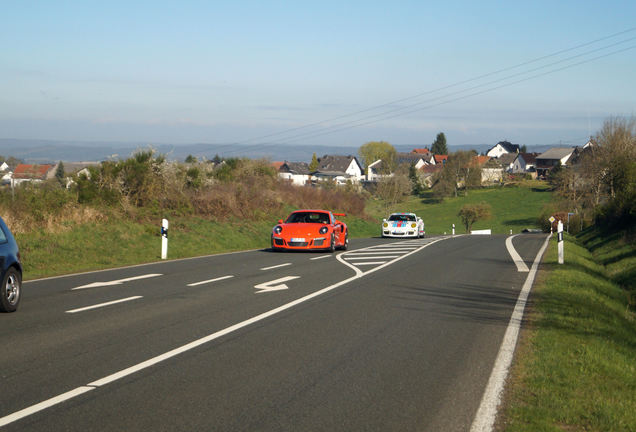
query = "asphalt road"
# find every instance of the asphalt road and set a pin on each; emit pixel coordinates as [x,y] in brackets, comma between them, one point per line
[391,335]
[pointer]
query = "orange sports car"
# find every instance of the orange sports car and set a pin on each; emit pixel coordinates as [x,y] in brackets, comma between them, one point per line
[311,230]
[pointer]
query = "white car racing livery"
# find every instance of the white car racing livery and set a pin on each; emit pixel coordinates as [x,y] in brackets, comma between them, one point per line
[403,225]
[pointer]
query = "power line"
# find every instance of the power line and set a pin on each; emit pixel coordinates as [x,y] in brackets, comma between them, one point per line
[556,53]
[406,110]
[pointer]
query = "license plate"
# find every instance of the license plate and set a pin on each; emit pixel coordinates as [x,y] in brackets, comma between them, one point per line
[297,240]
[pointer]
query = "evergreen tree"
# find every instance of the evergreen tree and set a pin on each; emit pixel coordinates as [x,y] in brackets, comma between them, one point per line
[313,166]
[59,173]
[439,145]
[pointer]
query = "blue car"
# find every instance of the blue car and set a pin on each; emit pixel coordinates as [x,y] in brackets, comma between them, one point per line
[10,270]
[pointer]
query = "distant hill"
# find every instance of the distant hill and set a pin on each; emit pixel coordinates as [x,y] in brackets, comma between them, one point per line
[41,151]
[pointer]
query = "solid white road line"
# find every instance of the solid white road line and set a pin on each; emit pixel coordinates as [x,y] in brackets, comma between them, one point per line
[487,412]
[210,281]
[276,266]
[160,358]
[44,405]
[521,265]
[104,304]
[320,257]
[116,282]
[369,263]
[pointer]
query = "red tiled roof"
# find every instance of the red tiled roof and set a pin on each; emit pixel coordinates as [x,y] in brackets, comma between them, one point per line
[423,151]
[480,160]
[25,171]
[440,158]
[277,165]
[429,169]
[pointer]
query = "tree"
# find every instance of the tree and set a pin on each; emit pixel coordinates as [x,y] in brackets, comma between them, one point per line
[523,149]
[439,145]
[471,213]
[190,159]
[374,150]
[394,189]
[454,174]
[59,173]
[313,165]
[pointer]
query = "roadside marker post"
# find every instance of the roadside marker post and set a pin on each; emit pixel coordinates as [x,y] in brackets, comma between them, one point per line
[453,229]
[560,241]
[164,238]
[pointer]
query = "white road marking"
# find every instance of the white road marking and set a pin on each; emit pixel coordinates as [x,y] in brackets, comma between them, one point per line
[116,282]
[104,304]
[320,257]
[192,345]
[487,412]
[521,265]
[276,266]
[369,253]
[370,263]
[210,281]
[275,285]
[402,249]
[44,405]
[367,257]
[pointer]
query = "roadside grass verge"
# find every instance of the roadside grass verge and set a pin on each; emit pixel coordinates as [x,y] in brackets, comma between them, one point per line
[118,242]
[513,208]
[575,367]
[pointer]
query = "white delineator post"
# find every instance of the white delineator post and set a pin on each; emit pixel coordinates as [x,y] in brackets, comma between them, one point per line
[453,229]
[164,238]
[560,241]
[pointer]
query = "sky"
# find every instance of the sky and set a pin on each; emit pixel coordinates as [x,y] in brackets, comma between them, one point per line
[327,72]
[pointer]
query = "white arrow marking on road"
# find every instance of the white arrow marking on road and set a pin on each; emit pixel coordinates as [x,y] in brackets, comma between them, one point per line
[271,286]
[116,282]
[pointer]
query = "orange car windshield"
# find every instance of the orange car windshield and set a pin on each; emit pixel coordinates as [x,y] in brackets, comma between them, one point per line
[308,217]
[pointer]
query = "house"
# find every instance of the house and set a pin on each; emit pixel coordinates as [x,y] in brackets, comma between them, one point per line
[440,159]
[507,161]
[4,167]
[37,173]
[492,172]
[427,172]
[296,172]
[339,169]
[558,156]
[373,171]
[502,147]
[524,163]
[415,159]
[426,153]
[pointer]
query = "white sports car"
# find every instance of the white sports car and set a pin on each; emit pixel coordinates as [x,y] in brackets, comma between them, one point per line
[403,225]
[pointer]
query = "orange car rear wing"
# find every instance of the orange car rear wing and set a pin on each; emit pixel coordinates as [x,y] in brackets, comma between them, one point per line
[339,214]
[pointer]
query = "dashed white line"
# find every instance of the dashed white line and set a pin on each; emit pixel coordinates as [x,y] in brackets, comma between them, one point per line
[210,281]
[104,304]
[320,257]
[276,266]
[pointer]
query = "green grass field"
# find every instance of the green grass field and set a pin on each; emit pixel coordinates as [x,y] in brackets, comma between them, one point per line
[513,208]
[575,368]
